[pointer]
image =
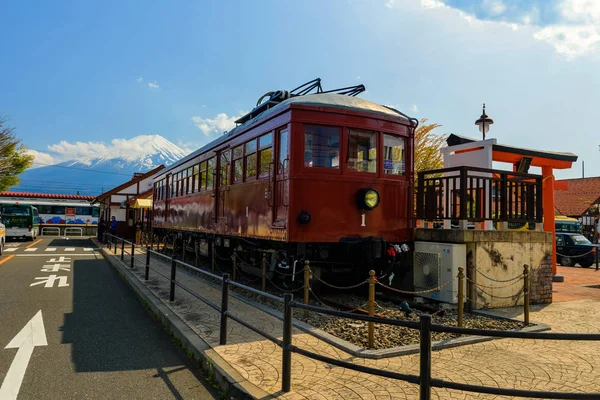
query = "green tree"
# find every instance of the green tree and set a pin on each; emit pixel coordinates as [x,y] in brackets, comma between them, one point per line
[13,157]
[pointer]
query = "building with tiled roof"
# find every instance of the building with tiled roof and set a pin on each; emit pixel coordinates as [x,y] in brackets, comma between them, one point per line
[581,200]
[45,196]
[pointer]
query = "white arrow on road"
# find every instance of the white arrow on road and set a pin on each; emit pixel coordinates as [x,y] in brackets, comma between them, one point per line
[33,334]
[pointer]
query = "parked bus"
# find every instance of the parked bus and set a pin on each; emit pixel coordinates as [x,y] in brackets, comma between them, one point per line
[21,221]
[63,211]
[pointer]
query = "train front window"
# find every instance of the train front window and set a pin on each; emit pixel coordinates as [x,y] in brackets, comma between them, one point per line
[321,146]
[393,155]
[362,151]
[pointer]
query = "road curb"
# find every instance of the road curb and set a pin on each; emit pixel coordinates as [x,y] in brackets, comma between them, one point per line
[215,367]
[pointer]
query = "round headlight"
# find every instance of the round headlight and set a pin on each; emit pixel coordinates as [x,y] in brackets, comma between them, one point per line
[367,199]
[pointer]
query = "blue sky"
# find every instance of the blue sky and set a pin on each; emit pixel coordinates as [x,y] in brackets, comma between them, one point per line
[93,72]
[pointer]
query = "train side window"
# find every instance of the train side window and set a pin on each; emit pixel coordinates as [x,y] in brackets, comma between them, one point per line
[190,182]
[224,172]
[210,172]
[238,163]
[203,175]
[362,151]
[182,178]
[393,155]
[196,184]
[265,146]
[250,170]
[321,146]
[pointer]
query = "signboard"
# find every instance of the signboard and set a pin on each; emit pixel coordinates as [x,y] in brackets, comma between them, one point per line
[388,164]
[70,212]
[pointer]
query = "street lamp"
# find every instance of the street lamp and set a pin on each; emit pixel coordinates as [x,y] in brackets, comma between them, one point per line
[484,122]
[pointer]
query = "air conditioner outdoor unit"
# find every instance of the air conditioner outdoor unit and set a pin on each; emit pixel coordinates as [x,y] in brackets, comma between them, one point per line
[434,265]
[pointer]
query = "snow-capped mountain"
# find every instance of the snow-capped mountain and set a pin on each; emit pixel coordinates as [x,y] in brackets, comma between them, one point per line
[114,165]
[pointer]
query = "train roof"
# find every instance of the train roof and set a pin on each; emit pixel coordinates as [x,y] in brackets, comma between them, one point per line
[329,100]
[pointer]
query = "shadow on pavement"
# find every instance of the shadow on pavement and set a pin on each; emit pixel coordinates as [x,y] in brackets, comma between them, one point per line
[110,331]
[71,242]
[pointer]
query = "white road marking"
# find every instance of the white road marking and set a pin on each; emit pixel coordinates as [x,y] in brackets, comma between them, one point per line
[50,248]
[56,267]
[70,255]
[60,259]
[11,249]
[88,249]
[33,334]
[31,249]
[70,249]
[49,280]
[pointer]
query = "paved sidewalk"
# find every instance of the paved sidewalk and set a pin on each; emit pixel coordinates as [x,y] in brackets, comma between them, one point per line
[509,363]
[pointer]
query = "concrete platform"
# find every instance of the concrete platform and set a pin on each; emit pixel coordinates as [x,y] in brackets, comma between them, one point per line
[250,365]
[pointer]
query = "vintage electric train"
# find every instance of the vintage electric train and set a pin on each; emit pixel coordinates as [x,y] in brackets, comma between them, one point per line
[323,176]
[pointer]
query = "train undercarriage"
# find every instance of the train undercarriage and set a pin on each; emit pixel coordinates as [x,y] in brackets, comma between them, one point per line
[342,263]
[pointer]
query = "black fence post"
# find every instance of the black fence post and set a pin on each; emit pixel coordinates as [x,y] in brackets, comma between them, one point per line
[114,245]
[224,308]
[425,357]
[147,264]
[286,368]
[122,249]
[132,254]
[172,291]
[104,237]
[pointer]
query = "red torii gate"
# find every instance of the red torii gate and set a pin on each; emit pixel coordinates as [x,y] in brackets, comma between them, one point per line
[548,161]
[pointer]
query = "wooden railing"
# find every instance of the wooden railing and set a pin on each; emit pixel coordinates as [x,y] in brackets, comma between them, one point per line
[471,194]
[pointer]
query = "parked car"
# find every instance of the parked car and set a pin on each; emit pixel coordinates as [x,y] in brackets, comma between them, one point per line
[574,248]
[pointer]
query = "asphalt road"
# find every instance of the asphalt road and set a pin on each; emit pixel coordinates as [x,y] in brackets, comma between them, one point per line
[101,342]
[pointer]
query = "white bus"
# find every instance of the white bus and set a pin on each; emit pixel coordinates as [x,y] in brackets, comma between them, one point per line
[70,212]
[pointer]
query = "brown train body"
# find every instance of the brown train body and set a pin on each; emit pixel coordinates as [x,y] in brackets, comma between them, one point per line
[288,180]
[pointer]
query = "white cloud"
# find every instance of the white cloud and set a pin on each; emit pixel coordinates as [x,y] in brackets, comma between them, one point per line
[430,4]
[390,3]
[153,85]
[218,124]
[41,159]
[414,108]
[494,7]
[581,11]
[570,41]
[140,80]
[578,33]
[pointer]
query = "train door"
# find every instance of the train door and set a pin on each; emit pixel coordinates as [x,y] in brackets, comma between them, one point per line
[281,176]
[222,189]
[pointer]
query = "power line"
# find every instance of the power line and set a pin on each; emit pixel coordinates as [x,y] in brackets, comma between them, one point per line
[80,169]
[61,183]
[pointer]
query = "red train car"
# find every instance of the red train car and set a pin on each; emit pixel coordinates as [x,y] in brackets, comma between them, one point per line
[323,176]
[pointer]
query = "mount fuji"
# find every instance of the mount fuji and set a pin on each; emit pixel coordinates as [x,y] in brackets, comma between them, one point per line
[89,175]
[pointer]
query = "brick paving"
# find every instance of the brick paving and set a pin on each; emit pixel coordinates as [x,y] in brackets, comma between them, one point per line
[509,363]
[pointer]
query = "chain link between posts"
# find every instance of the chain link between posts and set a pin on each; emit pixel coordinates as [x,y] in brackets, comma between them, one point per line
[495,287]
[416,292]
[579,255]
[341,287]
[499,280]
